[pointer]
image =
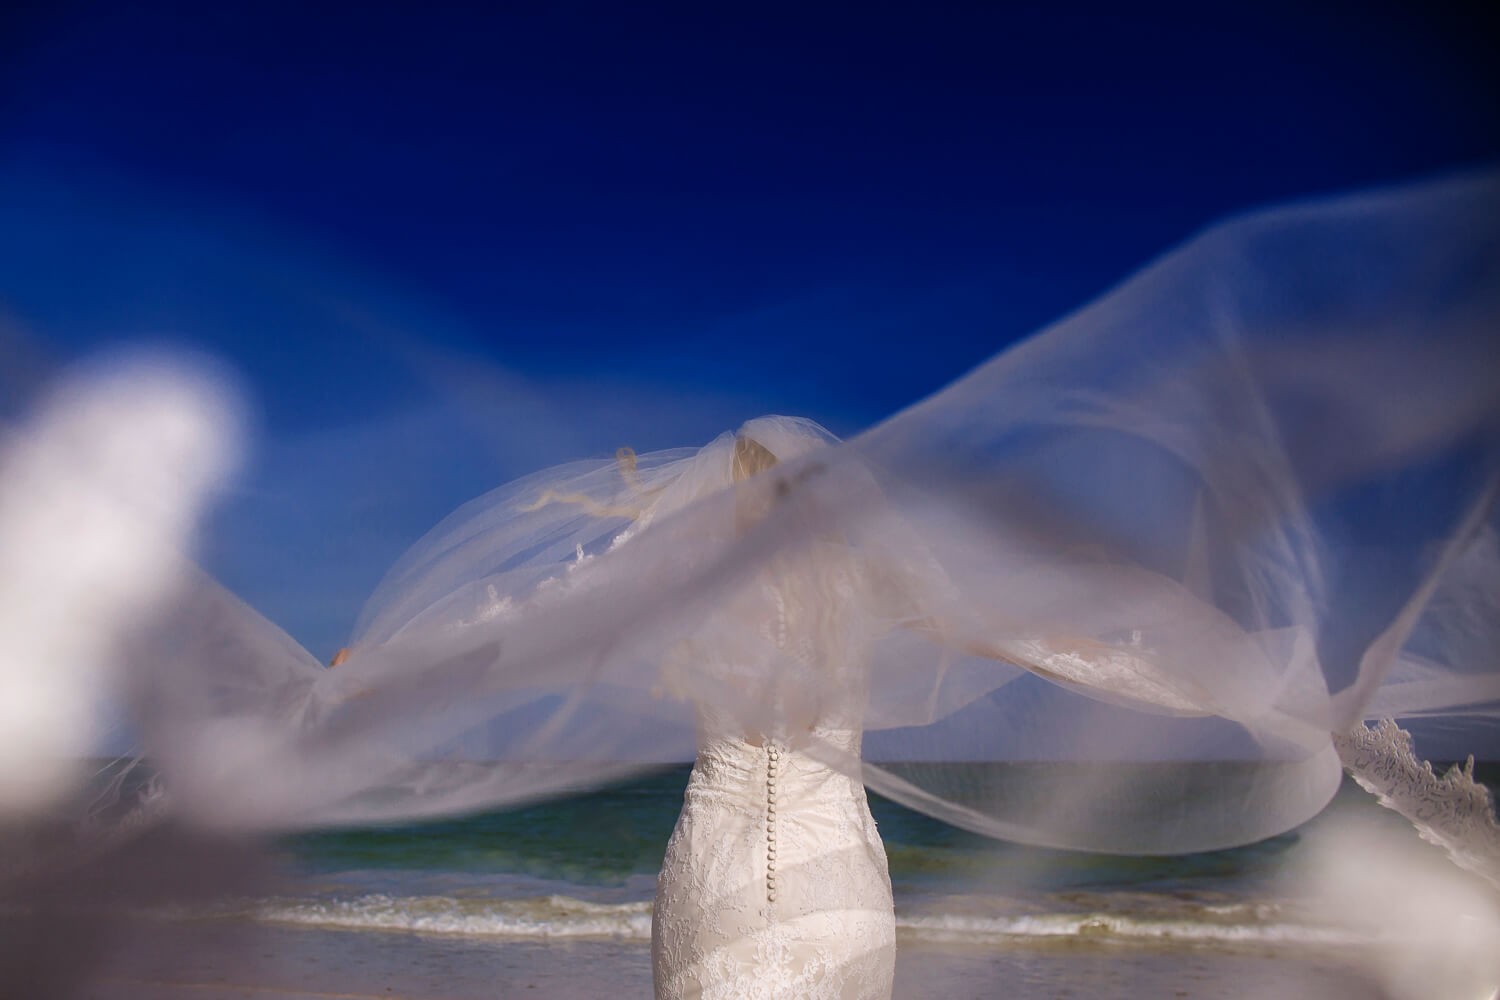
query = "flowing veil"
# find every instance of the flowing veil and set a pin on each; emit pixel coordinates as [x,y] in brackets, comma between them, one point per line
[1125,579]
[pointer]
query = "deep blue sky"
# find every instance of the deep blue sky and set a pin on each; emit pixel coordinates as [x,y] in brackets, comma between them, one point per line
[446,247]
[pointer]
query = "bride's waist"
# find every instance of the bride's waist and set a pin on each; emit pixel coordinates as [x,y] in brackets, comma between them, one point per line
[794,775]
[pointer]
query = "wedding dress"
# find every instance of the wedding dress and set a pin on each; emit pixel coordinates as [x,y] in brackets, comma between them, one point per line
[774,882]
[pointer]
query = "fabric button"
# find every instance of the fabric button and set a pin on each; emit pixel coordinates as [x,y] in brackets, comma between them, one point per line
[773,756]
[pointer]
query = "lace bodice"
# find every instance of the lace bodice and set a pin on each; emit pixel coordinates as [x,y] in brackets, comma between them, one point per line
[774,883]
[786,656]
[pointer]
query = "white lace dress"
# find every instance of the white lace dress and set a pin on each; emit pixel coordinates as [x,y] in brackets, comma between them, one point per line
[775,882]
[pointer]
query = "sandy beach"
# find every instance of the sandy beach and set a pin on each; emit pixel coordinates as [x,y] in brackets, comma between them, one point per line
[216,962]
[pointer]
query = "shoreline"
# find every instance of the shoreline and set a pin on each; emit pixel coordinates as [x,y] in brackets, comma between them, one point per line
[185,961]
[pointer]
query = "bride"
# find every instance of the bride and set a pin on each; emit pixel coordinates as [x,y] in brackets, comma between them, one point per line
[1117,589]
[774,882]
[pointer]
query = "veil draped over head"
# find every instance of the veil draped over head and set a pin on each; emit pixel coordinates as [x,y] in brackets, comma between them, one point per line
[1112,590]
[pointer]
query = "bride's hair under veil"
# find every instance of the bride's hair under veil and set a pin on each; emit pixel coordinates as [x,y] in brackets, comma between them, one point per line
[750,457]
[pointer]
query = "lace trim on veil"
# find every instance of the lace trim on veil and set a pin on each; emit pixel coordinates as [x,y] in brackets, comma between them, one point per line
[1451,811]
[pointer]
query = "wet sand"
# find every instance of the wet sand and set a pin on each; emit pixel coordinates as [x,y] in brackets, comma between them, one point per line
[218,962]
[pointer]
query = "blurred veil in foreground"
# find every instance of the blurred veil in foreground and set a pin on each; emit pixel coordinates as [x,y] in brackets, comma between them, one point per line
[101,491]
[102,488]
[1150,561]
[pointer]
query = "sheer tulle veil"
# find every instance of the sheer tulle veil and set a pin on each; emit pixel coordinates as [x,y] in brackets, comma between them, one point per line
[1122,581]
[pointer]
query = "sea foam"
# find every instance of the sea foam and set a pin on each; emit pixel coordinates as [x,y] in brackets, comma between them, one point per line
[565,917]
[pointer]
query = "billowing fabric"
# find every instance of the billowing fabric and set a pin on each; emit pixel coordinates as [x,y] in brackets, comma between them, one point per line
[1116,587]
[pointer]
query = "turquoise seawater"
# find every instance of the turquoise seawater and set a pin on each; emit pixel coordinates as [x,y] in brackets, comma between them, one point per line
[585,866]
[606,837]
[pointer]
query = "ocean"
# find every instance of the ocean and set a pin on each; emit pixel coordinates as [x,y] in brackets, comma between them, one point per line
[586,867]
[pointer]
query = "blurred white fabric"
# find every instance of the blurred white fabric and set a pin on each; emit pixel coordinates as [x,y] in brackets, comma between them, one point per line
[100,495]
[1139,568]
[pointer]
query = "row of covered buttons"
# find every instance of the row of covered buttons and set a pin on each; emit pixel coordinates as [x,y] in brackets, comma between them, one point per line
[773,761]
